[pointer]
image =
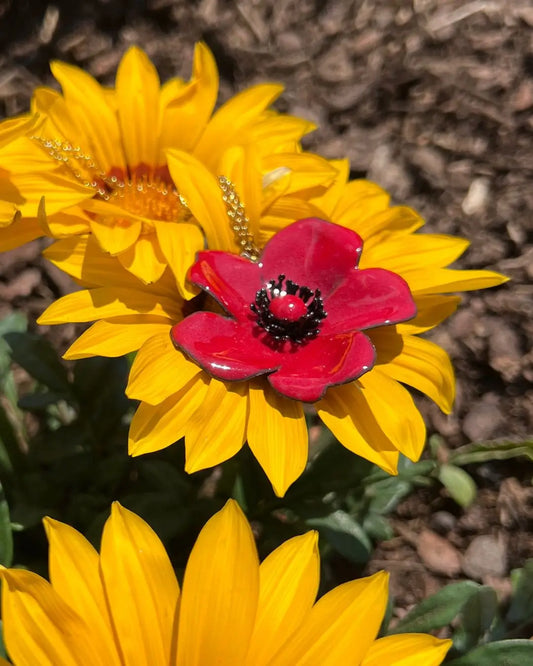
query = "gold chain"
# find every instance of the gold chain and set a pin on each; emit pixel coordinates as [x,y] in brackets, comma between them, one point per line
[239,221]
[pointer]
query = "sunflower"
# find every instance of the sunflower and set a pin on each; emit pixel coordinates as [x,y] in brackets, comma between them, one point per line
[367,408]
[125,605]
[108,161]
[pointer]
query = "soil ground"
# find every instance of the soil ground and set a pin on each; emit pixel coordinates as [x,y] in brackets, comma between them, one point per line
[433,100]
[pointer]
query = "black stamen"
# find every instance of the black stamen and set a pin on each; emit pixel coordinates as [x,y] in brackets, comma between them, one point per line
[280,330]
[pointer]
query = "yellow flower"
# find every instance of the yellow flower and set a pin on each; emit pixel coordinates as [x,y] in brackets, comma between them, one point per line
[124,607]
[374,416]
[110,162]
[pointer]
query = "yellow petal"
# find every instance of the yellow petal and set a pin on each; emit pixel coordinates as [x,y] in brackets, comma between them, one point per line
[155,427]
[289,579]
[137,95]
[116,337]
[63,121]
[407,650]
[347,414]
[242,167]
[358,203]
[431,310]
[179,243]
[145,259]
[277,435]
[96,119]
[279,130]
[220,592]
[8,211]
[26,190]
[419,363]
[445,280]
[116,238]
[103,303]
[159,370]
[413,252]
[341,626]
[68,254]
[11,128]
[284,211]
[185,118]
[18,233]
[331,197]
[141,588]
[39,627]
[62,225]
[307,171]
[216,430]
[113,212]
[374,227]
[25,156]
[396,412]
[204,199]
[75,576]
[225,128]
[83,259]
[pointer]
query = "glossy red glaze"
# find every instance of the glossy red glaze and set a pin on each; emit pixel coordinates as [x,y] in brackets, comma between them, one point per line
[225,348]
[313,253]
[368,298]
[288,307]
[324,361]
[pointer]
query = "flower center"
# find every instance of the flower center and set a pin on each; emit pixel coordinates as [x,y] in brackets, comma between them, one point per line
[288,307]
[287,311]
[143,191]
[145,196]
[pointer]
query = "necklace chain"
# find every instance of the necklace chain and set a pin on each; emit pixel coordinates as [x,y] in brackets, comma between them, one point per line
[238,219]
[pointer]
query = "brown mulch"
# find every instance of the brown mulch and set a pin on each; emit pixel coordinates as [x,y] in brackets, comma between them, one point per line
[433,100]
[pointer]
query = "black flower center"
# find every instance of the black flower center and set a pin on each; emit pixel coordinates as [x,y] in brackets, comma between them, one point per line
[287,311]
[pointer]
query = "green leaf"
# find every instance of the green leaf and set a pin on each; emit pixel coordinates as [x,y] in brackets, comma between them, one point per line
[521,608]
[407,469]
[162,476]
[377,527]
[502,653]
[345,535]
[99,384]
[6,533]
[477,453]
[38,402]
[459,484]
[13,323]
[335,469]
[384,495]
[39,359]
[477,617]
[10,454]
[438,610]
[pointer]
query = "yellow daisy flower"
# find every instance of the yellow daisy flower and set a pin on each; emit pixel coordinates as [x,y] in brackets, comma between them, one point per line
[373,416]
[108,161]
[124,606]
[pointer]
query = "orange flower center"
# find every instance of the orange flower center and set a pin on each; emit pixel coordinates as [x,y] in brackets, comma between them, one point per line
[145,195]
[143,191]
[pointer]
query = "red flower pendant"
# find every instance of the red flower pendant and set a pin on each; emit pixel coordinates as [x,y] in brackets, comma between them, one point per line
[296,315]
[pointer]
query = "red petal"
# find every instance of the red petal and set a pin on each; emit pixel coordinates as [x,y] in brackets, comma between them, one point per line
[368,298]
[223,347]
[311,252]
[325,361]
[231,279]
